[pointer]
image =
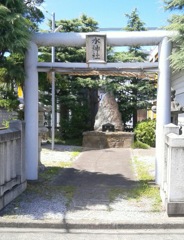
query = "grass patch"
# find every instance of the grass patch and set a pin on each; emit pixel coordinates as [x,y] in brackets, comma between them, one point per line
[138,144]
[68,192]
[142,170]
[75,154]
[115,193]
[43,187]
[49,173]
[45,191]
[144,190]
[73,142]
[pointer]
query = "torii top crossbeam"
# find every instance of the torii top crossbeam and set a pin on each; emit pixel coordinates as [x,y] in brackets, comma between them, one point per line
[118,39]
[145,38]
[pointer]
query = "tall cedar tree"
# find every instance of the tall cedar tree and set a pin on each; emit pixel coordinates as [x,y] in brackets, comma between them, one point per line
[177,23]
[135,24]
[132,93]
[76,97]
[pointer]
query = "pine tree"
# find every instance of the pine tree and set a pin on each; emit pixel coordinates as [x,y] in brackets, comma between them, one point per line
[176,22]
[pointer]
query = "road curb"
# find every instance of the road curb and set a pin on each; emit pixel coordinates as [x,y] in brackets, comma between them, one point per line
[68,224]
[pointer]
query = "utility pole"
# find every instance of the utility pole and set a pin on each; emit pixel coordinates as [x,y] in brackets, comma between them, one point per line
[53,85]
[53,81]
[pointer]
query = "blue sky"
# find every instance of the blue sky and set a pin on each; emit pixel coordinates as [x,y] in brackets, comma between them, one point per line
[108,13]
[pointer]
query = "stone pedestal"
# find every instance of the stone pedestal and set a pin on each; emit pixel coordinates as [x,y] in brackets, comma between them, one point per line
[101,140]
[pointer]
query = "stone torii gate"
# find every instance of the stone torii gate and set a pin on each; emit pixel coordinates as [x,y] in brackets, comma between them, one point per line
[32,66]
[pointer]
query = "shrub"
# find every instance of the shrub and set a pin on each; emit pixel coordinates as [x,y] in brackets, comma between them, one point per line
[145,132]
[138,144]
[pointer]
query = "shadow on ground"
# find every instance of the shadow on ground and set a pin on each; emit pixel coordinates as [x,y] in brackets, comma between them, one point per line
[96,180]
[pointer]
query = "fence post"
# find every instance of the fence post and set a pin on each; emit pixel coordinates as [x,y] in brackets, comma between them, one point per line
[175,174]
[169,128]
[20,152]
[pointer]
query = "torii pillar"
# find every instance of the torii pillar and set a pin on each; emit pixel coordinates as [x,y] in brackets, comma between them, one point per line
[31,112]
[163,105]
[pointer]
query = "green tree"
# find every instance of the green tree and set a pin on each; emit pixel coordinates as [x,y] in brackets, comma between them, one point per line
[14,28]
[123,89]
[132,93]
[176,22]
[17,21]
[134,24]
[75,96]
[33,13]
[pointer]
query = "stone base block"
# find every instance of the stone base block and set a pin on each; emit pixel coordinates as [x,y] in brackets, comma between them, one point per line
[101,140]
[175,209]
[12,194]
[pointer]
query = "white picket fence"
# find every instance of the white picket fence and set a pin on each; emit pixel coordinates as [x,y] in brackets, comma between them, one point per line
[12,163]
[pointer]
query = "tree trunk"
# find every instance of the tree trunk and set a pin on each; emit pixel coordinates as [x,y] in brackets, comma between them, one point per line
[93,106]
[64,116]
[135,104]
[134,118]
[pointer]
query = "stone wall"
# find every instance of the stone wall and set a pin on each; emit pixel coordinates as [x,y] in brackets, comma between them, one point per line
[12,163]
[101,140]
[6,116]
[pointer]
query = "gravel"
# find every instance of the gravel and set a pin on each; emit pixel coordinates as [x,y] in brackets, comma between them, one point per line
[61,153]
[41,208]
[42,203]
[51,204]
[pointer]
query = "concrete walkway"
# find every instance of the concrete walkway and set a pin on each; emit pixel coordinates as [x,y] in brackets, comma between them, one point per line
[94,174]
[101,179]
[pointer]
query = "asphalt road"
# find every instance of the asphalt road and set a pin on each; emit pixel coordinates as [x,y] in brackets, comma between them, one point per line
[56,234]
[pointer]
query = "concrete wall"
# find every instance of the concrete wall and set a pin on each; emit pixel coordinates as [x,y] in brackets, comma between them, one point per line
[12,163]
[141,114]
[173,186]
